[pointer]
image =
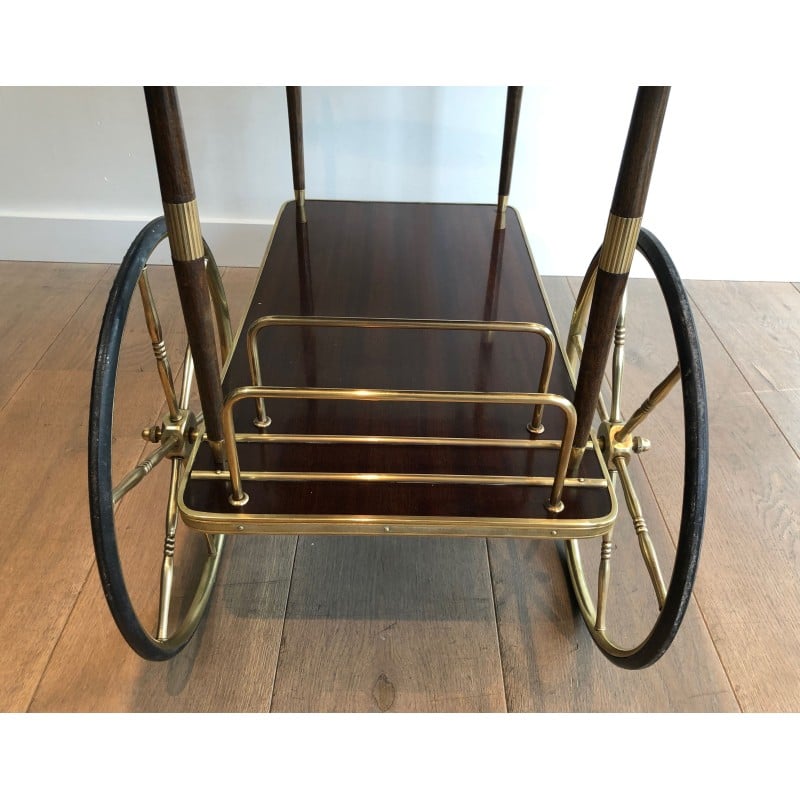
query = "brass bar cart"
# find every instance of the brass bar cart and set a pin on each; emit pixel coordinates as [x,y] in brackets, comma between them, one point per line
[396,373]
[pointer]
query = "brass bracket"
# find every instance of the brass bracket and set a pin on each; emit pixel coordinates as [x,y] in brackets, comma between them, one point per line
[183,429]
[614,446]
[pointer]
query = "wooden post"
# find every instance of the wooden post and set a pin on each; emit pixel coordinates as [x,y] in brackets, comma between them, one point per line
[294,103]
[186,246]
[616,254]
[513,104]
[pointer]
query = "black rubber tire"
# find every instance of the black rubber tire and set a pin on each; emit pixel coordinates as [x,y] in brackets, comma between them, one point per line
[101,505]
[695,478]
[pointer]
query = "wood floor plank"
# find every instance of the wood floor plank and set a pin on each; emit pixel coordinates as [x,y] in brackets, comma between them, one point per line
[750,587]
[380,624]
[549,659]
[47,543]
[45,537]
[36,303]
[76,347]
[784,408]
[228,666]
[758,325]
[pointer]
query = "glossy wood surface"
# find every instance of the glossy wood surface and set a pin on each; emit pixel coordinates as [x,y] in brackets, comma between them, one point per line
[409,260]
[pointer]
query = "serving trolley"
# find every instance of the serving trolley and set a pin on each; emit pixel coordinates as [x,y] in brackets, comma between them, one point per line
[397,373]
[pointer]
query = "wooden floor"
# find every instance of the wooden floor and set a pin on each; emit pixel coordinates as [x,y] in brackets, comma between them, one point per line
[364,624]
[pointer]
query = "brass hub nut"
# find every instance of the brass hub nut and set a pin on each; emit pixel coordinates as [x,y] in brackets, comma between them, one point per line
[612,446]
[181,428]
[152,434]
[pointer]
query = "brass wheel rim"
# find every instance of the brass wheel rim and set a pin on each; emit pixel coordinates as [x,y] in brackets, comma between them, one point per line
[672,599]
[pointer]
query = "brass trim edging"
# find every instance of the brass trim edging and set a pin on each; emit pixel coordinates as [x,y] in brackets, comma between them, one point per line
[619,244]
[242,523]
[183,229]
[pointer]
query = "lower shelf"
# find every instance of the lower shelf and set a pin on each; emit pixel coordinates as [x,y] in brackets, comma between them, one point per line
[442,445]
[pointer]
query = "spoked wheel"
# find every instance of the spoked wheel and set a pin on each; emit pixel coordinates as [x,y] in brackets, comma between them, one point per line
[650,556]
[150,567]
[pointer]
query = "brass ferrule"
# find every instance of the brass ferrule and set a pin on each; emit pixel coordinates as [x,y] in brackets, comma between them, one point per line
[502,205]
[183,227]
[575,458]
[619,244]
[218,451]
[300,200]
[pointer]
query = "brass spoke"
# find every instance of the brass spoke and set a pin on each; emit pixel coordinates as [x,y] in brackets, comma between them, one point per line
[580,315]
[169,551]
[220,304]
[643,535]
[603,581]
[656,396]
[143,468]
[261,419]
[618,363]
[159,348]
[188,377]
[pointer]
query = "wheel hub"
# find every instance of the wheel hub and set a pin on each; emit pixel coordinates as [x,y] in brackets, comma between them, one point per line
[615,446]
[183,429]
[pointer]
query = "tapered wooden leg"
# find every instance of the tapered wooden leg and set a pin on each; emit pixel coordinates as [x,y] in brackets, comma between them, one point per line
[186,245]
[616,255]
[294,102]
[513,105]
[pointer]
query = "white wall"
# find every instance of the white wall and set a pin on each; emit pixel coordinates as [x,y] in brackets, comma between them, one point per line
[77,176]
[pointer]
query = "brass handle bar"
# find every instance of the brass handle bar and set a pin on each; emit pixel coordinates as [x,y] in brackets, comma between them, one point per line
[239,498]
[337,438]
[278,320]
[400,477]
